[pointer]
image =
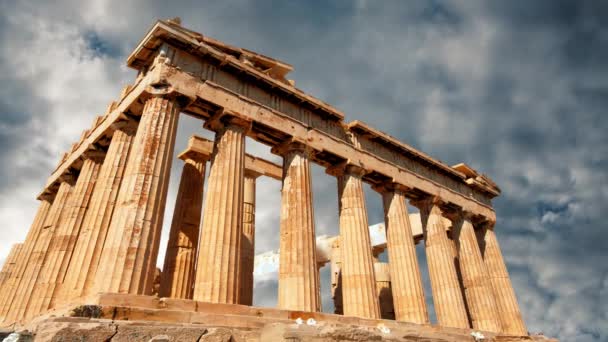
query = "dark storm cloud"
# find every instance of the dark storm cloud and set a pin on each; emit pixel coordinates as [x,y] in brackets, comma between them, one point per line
[517,89]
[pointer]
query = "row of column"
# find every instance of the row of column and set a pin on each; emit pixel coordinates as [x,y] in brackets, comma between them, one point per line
[469,289]
[101,233]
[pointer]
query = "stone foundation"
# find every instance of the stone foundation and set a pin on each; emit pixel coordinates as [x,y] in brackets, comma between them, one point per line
[147,318]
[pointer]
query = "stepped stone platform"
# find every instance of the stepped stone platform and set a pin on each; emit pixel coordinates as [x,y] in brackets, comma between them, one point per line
[115,317]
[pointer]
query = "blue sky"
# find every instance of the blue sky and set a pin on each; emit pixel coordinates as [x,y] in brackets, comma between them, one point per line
[517,89]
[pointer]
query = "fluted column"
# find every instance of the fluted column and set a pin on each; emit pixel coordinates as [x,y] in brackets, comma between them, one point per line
[383,287]
[217,274]
[64,239]
[23,296]
[506,301]
[406,281]
[177,279]
[8,269]
[248,238]
[85,259]
[128,259]
[359,297]
[447,294]
[298,274]
[477,288]
[336,276]
[9,293]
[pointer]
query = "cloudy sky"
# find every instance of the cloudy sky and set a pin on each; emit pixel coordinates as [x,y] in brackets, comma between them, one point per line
[517,89]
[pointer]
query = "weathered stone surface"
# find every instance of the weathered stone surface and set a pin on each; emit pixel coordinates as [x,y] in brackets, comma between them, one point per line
[85,259]
[178,271]
[157,332]
[217,335]
[217,274]
[406,282]
[8,294]
[477,287]
[298,273]
[74,330]
[128,259]
[506,301]
[61,247]
[359,297]
[383,288]
[447,294]
[336,276]
[7,275]
[23,297]
[248,238]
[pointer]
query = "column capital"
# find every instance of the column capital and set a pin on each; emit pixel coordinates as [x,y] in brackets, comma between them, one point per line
[346,168]
[128,125]
[391,187]
[425,203]
[162,89]
[459,215]
[93,153]
[222,119]
[252,173]
[292,145]
[189,155]
[68,178]
[47,195]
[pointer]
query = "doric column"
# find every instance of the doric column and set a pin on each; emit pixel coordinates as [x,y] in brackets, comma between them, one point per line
[383,287]
[64,239]
[336,276]
[9,293]
[8,269]
[128,260]
[406,282]
[85,259]
[477,288]
[177,279]
[506,301]
[298,274]
[217,274]
[447,294]
[23,296]
[248,238]
[359,297]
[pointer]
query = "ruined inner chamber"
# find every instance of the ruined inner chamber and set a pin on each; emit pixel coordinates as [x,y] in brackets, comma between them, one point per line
[92,248]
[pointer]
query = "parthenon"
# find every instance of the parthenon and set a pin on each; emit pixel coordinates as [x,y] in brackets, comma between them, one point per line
[95,239]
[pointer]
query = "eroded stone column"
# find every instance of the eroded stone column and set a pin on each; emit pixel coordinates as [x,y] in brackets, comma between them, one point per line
[8,269]
[336,276]
[85,260]
[128,260]
[447,294]
[406,282]
[23,296]
[177,279]
[64,239]
[9,293]
[248,238]
[506,301]
[298,274]
[359,296]
[217,274]
[477,288]
[383,287]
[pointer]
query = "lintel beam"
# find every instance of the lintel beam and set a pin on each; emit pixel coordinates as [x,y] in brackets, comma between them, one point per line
[250,110]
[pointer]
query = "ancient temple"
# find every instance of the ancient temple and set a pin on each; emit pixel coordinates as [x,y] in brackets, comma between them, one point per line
[91,252]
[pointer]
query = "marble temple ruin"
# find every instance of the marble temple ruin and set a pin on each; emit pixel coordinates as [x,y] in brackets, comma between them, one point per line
[92,248]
